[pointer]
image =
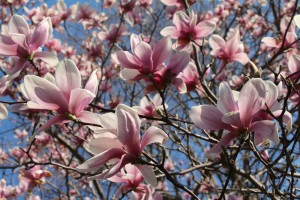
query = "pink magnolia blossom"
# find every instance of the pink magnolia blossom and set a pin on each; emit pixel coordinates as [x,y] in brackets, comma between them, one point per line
[148,107]
[33,177]
[19,40]
[276,43]
[132,179]
[145,59]
[186,29]
[235,113]
[228,51]
[61,94]
[178,3]
[122,145]
[114,34]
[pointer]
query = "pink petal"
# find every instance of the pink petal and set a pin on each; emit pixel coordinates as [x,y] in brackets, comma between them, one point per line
[18,67]
[88,117]
[125,159]
[297,20]
[79,99]
[162,51]
[294,63]
[240,57]
[17,24]
[264,130]
[205,28]
[270,42]
[129,128]
[57,119]
[41,34]
[7,46]
[99,160]
[143,53]
[272,93]
[251,99]
[101,144]
[148,174]
[153,135]
[226,102]
[92,83]
[180,85]
[48,57]
[233,119]
[225,141]
[216,42]
[67,77]
[207,117]
[178,62]
[20,39]
[129,74]
[286,118]
[127,60]
[134,40]
[170,31]
[233,43]
[181,21]
[45,93]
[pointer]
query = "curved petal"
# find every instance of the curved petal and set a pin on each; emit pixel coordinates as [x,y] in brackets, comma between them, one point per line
[216,42]
[43,92]
[134,40]
[143,52]
[287,118]
[264,130]
[48,57]
[225,141]
[294,63]
[20,39]
[233,118]
[272,93]
[170,31]
[178,62]
[7,46]
[92,83]
[148,174]
[67,77]
[207,117]
[129,128]
[125,159]
[89,117]
[181,21]
[79,99]
[153,135]
[101,144]
[251,99]
[226,102]
[240,57]
[99,160]
[41,34]
[233,43]
[127,60]
[205,28]
[129,74]
[161,51]
[270,42]
[17,24]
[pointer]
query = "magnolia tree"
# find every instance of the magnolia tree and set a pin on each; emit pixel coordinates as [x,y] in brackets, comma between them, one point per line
[152,100]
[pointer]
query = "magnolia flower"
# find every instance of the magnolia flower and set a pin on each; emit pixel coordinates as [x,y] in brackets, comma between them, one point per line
[61,94]
[289,39]
[145,59]
[236,113]
[148,107]
[187,30]
[230,50]
[294,66]
[122,146]
[19,40]
[34,177]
